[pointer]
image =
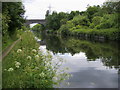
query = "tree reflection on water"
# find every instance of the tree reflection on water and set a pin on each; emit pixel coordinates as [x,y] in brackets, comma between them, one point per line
[107,52]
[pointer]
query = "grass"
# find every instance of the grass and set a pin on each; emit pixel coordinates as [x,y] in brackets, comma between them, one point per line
[27,67]
[111,34]
[8,40]
[7,44]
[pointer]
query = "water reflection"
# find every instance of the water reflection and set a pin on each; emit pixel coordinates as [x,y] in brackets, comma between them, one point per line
[107,52]
[92,64]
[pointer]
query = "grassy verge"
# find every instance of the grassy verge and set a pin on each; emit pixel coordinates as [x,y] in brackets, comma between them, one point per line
[7,44]
[26,66]
[8,40]
[110,34]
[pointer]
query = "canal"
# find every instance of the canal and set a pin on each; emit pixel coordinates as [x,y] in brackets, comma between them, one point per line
[92,64]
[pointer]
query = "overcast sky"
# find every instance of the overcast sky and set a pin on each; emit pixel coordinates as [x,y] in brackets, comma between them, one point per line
[36,9]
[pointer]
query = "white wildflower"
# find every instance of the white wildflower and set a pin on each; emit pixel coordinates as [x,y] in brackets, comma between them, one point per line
[34,51]
[10,69]
[17,66]
[19,50]
[29,57]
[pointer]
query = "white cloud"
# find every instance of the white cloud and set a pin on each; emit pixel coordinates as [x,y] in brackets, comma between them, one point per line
[37,8]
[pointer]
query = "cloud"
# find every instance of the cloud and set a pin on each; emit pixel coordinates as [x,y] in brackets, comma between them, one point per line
[37,8]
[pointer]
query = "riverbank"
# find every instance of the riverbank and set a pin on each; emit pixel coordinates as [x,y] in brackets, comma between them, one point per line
[7,44]
[107,34]
[26,66]
[99,34]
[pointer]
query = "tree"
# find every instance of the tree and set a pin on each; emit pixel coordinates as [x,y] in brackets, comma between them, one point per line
[91,11]
[108,21]
[81,20]
[13,17]
[38,27]
[54,21]
[72,14]
[95,21]
[110,7]
[47,13]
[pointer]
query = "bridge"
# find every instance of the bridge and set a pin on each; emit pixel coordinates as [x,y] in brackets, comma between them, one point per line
[39,21]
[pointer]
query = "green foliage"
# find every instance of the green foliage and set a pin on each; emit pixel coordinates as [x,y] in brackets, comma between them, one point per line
[5,21]
[12,20]
[65,28]
[81,20]
[72,14]
[95,17]
[47,13]
[110,7]
[91,11]
[95,22]
[27,67]
[111,34]
[63,21]
[14,13]
[54,21]
[108,21]
[38,27]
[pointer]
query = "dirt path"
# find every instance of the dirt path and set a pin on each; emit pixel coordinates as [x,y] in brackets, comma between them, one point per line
[5,53]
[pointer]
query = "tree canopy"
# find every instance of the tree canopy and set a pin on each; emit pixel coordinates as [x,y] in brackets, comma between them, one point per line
[99,17]
[13,18]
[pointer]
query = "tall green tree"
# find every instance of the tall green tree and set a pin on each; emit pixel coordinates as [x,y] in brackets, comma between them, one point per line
[91,11]
[13,18]
[47,13]
[72,14]
[54,21]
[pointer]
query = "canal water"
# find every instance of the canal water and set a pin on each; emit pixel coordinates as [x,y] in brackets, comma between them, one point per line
[92,64]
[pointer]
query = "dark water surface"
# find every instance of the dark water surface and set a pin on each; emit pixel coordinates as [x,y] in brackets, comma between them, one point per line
[92,64]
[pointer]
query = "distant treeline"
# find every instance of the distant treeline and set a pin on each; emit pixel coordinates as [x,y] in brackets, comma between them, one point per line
[99,17]
[91,21]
